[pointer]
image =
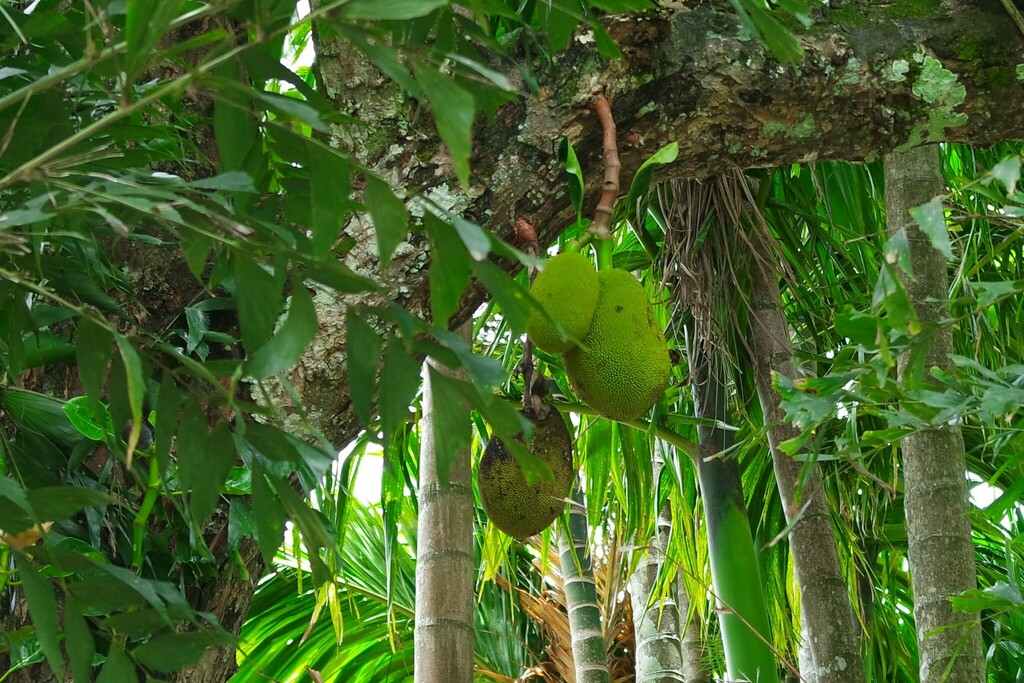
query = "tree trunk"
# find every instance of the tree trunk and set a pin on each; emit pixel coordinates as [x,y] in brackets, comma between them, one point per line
[444,644]
[739,590]
[589,651]
[657,624]
[826,614]
[691,76]
[694,668]
[936,498]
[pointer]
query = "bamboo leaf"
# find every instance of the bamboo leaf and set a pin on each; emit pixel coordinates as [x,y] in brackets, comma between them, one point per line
[363,355]
[290,341]
[454,110]
[390,219]
[43,608]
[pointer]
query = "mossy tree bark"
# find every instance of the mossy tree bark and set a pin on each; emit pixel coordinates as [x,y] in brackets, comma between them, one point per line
[589,651]
[444,638]
[829,628]
[876,77]
[936,496]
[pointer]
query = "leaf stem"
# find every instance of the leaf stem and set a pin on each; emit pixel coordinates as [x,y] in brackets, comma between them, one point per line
[142,518]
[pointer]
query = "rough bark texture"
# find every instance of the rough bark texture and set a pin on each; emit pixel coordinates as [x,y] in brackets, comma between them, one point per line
[874,78]
[939,547]
[444,642]
[827,619]
[659,656]
[589,652]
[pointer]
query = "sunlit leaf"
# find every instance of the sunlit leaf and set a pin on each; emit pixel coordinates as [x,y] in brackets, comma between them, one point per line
[931,219]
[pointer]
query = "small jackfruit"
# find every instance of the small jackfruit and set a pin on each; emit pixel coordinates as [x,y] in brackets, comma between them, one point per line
[622,365]
[517,508]
[567,290]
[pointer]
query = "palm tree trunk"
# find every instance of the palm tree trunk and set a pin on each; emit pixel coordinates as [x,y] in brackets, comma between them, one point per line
[444,638]
[940,550]
[588,645]
[739,591]
[827,619]
[659,655]
[694,668]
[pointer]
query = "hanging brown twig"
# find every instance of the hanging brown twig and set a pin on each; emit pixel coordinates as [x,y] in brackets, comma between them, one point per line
[610,156]
[526,234]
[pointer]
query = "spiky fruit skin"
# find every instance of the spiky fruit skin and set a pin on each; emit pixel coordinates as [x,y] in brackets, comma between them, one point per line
[567,290]
[517,508]
[622,366]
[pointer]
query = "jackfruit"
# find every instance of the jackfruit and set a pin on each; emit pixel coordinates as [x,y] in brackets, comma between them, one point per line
[517,508]
[567,290]
[621,366]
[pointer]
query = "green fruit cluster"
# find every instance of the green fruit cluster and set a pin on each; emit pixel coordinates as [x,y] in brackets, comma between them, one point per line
[517,508]
[616,359]
[567,291]
[622,366]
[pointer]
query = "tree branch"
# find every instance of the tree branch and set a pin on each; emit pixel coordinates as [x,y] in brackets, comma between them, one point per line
[875,78]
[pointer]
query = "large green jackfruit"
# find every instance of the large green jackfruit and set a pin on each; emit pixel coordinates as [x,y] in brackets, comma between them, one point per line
[622,365]
[517,508]
[567,290]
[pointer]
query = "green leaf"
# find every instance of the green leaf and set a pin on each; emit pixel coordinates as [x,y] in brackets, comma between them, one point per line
[449,269]
[168,405]
[177,650]
[577,186]
[931,219]
[118,668]
[514,301]
[363,355]
[399,381]
[84,418]
[449,418]
[78,641]
[645,174]
[559,24]
[1007,172]
[454,110]
[391,9]
[259,301]
[136,384]
[271,442]
[390,219]
[268,515]
[782,44]
[39,414]
[291,339]
[329,195]
[315,534]
[146,22]
[340,277]
[232,181]
[476,239]
[860,328]
[219,455]
[54,503]
[94,345]
[43,608]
